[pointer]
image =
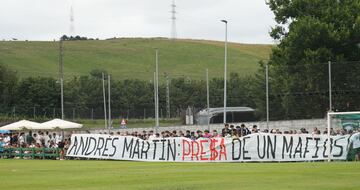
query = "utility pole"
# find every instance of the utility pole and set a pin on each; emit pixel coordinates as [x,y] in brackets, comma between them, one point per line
[109,92]
[104,95]
[167,97]
[157,91]
[155,100]
[61,73]
[267,95]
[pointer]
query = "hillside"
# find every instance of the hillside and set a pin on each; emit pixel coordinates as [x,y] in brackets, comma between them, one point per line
[131,57]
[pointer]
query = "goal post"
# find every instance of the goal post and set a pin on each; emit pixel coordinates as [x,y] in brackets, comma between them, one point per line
[353,116]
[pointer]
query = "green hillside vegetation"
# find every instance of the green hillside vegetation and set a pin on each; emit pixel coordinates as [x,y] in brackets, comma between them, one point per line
[131,58]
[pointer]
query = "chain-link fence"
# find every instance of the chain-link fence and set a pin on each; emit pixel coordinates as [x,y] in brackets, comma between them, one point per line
[300,91]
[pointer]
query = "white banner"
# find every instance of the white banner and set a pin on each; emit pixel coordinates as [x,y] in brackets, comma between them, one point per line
[260,147]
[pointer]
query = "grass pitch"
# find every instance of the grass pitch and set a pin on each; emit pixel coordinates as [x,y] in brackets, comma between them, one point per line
[54,175]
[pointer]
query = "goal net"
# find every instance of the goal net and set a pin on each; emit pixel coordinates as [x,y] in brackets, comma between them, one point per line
[345,123]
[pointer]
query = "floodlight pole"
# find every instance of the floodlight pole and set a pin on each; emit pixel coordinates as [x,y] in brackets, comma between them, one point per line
[207,98]
[267,95]
[225,65]
[330,110]
[330,88]
[61,72]
[328,135]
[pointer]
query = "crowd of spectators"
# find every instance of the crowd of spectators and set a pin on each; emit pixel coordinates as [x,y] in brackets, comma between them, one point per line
[34,140]
[55,140]
[229,131]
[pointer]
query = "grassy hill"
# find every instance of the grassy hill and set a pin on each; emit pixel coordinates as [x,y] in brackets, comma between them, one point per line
[132,57]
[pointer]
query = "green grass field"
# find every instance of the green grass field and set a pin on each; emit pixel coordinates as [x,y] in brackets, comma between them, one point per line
[131,57]
[58,175]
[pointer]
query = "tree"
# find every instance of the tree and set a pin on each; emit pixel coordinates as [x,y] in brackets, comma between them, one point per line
[311,33]
[39,92]
[8,82]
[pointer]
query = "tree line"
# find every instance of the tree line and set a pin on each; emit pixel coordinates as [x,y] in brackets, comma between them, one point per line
[86,93]
[309,35]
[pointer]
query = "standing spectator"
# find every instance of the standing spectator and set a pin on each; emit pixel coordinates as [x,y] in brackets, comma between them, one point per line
[174,133]
[58,139]
[234,134]
[29,138]
[206,134]
[199,134]
[192,136]
[41,138]
[245,130]
[61,146]
[216,134]
[7,140]
[254,129]
[37,139]
[14,139]
[1,146]
[225,131]
[188,134]
[21,139]
[46,139]
[355,142]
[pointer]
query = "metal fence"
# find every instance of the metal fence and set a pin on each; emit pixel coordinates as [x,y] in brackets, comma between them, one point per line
[301,91]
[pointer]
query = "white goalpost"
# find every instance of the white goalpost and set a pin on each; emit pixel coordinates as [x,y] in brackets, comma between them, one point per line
[331,115]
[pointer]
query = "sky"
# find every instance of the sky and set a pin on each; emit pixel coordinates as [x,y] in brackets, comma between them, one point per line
[249,21]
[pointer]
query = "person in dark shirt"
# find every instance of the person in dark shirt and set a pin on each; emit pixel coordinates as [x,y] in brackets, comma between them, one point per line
[225,130]
[29,138]
[14,139]
[188,134]
[61,145]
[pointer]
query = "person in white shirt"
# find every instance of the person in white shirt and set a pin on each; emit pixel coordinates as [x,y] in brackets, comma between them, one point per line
[21,139]
[355,141]
[47,139]
[58,139]
[37,139]
[7,140]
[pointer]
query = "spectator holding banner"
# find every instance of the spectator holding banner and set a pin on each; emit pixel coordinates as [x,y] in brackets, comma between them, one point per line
[206,134]
[225,131]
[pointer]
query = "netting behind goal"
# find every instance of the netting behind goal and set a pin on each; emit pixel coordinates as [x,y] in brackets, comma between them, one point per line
[344,124]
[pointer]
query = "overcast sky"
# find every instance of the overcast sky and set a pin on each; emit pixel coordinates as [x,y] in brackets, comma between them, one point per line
[249,20]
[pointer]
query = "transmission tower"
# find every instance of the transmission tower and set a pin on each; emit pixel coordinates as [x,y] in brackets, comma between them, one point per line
[72,27]
[173,20]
